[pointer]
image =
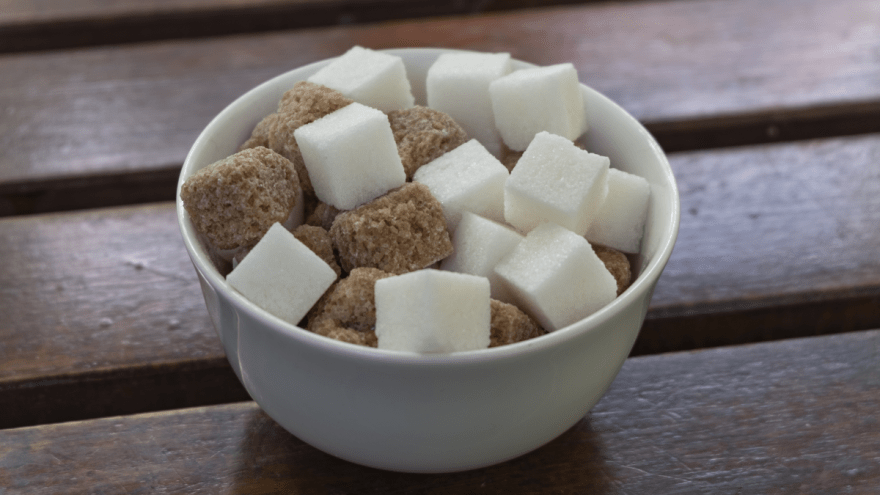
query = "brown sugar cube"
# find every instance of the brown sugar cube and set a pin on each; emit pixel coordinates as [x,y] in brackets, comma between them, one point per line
[304,103]
[327,328]
[323,215]
[348,312]
[509,158]
[509,324]
[616,263]
[234,201]
[423,134]
[318,307]
[265,134]
[260,134]
[318,240]
[308,102]
[399,232]
[315,238]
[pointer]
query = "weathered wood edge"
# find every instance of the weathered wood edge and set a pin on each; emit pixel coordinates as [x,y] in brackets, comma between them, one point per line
[118,391]
[682,328]
[769,126]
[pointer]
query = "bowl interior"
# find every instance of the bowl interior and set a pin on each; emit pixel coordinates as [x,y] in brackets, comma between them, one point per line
[612,132]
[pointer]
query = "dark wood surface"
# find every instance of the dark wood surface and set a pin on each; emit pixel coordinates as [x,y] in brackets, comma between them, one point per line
[732,420]
[103,316]
[770,110]
[26,25]
[699,73]
[112,306]
[775,241]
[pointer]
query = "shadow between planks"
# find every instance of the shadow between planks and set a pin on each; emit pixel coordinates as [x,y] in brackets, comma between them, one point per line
[796,415]
[105,315]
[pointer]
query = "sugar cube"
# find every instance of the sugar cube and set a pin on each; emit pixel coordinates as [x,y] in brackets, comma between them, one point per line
[303,103]
[318,240]
[351,156]
[478,245]
[399,232]
[369,77]
[234,201]
[617,264]
[467,178]
[510,325]
[620,221]
[528,101]
[433,311]
[282,275]
[558,182]
[458,84]
[348,312]
[555,277]
[423,134]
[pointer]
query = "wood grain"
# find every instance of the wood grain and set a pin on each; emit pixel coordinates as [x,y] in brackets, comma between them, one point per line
[775,220]
[776,241]
[796,416]
[26,26]
[102,314]
[760,245]
[702,73]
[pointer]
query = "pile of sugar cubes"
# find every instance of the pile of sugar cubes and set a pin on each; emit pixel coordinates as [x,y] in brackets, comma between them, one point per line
[472,222]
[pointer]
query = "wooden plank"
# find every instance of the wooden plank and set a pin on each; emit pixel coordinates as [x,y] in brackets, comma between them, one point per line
[701,73]
[791,416]
[60,24]
[103,313]
[779,239]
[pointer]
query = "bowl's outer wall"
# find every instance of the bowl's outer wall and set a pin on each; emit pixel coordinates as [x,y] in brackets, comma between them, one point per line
[433,413]
[431,417]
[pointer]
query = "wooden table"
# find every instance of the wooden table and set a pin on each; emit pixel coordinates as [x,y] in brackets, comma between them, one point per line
[757,370]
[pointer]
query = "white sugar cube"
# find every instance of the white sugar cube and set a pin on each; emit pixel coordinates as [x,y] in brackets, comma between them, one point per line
[351,156]
[478,245]
[282,275]
[558,182]
[458,84]
[528,101]
[433,311]
[369,77]
[555,277]
[620,221]
[467,178]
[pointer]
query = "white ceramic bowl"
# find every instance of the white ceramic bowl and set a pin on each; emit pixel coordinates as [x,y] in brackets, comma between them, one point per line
[433,413]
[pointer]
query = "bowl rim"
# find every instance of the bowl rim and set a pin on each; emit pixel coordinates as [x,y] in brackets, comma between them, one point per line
[644,282]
